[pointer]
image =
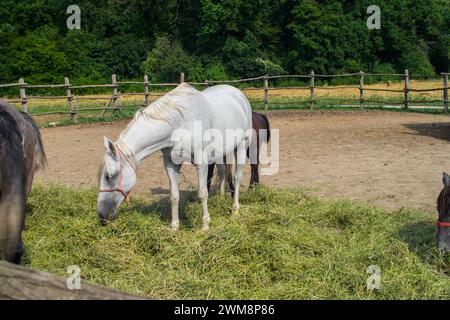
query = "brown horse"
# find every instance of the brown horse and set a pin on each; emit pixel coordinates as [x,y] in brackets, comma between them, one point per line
[443,207]
[260,124]
[21,153]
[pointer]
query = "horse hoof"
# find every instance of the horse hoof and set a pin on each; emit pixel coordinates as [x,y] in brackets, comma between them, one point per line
[235,213]
[174,227]
[205,228]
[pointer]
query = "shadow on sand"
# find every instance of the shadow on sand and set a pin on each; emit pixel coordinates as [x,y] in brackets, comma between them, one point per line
[437,130]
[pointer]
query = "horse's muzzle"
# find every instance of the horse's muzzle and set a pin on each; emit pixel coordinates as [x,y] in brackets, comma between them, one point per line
[105,218]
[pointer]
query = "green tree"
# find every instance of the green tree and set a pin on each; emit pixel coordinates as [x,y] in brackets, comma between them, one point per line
[168,59]
[219,38]
[39,58]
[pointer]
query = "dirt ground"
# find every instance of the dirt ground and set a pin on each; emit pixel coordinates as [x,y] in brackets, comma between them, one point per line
[390,159]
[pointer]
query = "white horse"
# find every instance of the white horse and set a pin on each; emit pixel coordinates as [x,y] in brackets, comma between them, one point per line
[182,124]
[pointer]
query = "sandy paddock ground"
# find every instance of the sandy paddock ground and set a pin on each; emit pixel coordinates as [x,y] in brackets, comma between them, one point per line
[390,159]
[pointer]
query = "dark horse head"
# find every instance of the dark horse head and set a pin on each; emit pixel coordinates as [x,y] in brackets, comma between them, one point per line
[443,206]
[21,153]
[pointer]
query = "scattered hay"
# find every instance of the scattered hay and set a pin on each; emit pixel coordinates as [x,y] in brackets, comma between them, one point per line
[286,245]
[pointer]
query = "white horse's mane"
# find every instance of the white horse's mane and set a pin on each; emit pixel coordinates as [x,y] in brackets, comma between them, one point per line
[168,108]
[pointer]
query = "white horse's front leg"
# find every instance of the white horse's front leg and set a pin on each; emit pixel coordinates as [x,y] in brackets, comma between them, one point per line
[202,172]
[173,172]
[240,162]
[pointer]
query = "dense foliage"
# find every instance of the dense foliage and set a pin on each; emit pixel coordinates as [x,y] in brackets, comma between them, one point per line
[218,39]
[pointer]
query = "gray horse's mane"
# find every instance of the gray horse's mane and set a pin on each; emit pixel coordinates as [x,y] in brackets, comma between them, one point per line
[11,134]
[41,159]
[168,108]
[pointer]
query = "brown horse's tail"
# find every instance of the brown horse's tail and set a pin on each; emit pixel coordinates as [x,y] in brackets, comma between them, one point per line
[267,127]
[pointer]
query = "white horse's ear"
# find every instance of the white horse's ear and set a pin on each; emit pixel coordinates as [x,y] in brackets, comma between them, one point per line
[112,164]
[446,179]
[110,146]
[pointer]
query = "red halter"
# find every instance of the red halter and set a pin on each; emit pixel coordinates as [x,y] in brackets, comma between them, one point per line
[443,224]
[119,182]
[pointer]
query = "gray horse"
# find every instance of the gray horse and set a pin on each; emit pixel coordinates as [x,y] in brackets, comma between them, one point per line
[21,154]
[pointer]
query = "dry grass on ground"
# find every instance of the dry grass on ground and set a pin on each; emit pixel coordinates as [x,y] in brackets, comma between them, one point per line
[286,245]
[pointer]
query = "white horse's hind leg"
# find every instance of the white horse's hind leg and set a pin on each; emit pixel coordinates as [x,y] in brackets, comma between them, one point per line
[202,172]
[173,172]
[221,169]
[240,162]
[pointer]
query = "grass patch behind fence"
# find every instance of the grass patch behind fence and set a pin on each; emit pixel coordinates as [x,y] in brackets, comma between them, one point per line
[286,245]
[128,113]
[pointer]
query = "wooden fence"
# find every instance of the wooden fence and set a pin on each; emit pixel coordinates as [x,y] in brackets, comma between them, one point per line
[113,100]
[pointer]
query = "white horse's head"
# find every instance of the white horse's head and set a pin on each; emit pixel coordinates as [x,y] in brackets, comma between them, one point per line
[117,178]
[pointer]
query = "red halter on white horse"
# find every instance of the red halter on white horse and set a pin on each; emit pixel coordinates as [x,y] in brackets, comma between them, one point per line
[119,182]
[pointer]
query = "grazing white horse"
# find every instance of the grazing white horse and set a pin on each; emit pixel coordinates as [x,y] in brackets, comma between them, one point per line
[187,126]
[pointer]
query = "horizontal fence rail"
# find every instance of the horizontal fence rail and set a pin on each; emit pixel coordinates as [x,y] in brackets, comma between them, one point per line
[114,100]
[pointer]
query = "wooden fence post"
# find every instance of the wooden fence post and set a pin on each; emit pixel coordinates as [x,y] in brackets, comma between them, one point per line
[406,89]
[361,89]
[445,92]
[73,115]
[206,84]
[147,94]
[115,92]
[312,94]
[266,93]
[181,77]
[23,95]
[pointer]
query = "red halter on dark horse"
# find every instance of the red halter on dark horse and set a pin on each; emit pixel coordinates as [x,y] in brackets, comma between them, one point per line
[443,207]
